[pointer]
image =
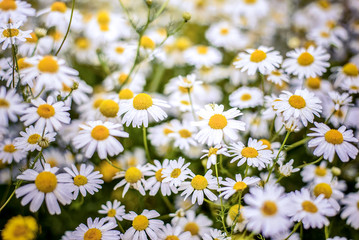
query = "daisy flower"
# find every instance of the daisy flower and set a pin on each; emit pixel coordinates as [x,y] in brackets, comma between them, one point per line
[169,232]
[96,229]
[216,124]
[233,186]
[137,109]
[159,135]
[202,55]
[20,227]
[133,177]
[351,210]
[312,212]
[340,100]
[306,63]
[236,214]
[121,52]
[313,173]
[198,225]
[348,73]
[114,211]
[278,77]
[266,210]
[9,153]
[11,105]
[143,225]
[255,154]
[176,172]
[287,169]
[332,191]
[49,114]
[15,10]
[99,136]
[200,186]
[183,134]
[301,105]
[29,140]
[11,34]
[45,185]
[215,234]
[329,141]
[212,154]
[85,180]
[246,97]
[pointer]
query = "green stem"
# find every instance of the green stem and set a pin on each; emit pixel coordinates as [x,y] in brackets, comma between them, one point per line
[68,27]
[160,70]
[109,162]
[222,209]
[8,200]
[297,144]
[190,101]
[246,171]
[276,134]
[307,164]
[145,144]
[120,226]
[164,5]
[294,230]
[168,203]
[330,116]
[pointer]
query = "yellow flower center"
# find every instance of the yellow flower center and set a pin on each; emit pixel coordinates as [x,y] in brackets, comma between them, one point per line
[109,108]
[267,143]
[305,59]
[171,237]
[125,94]
[7,5]
[133,175]
[97,102]
[249,152]
[309,206]
[324,4]
[82,43]
[350,69]
[123,78]
[34,138]
[269,208]
[175,173]
[158,175]
[58,7]
[65,88]
[80,180]
[240,186]
[56,35]
[46,110]
[185,102]
[323,188]
[108,171]
[324,34]
[104,27]
[191,227]
[333,136]
[246,97]
[233,212]
[111,213]
[224,31]
[10,32]
[250,1]
[147,43]
[276,73]
[314,82]
[48,64]
[218,121]
[212,151]
[46,182]
[4,103]
[142,101]
[297,101]
[202,50]
[52,161]
[103,18]
[119,50]
[93,234]
[199,182]
[100,133]
[140,223]
[182,43]
[184,133]
[167,131]
[258,56]
[32,39]
[320,171]
[10,148]
[22,64]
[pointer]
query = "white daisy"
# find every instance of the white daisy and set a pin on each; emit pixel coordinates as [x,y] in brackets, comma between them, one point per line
[11,34]
[29,140]
[169,232]
[287,169]
[246,97]
[15,10]
[121,52]
[198,225]
[313,173]
[233,186]
[202,55]
[9,153]
[278,77]
[96,229]
[348,73]
[11,106]
[332,191]
[176,172]
[235,214]
[216,234]
[183,134]
[114,211]
[351,210]
[340,100]
[212,154]
[159,134]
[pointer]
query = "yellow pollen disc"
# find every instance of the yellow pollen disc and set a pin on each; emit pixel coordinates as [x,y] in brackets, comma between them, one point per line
[258,56]
[185,102]
[56,35]
[109,108]
[320,171]
[125,94]
[48,64]
[10,148]
[46,110]
[309,206]
[171,237]
[224,31]
[324,4]
[97,102]
[58,7]
[267,143]
[218,121]
[93,234]
[240,186]
[133,175]
[108,171]
[65,88]
[184,89]
[34,138]
[297,101]
[246,97]
[269,208]
[182,43]
[111,213]
[124,78]
[147,42]
[140,223]
[212,151]
[80,180]
[22,64]
[184,133]
[175,173]
[249,152]
[142,101]
[4,103]
[104,27]
[314,82]
[191,227]
[103,18]
[10,32]
[46,182]
[100,133]
[32,39]
[158,175]
[7,5]
[119,50]
[202,50]
[305,59]
[52,161]
[333,136]
[323,188]
[199,182]
[82,43]
[276,73]
[167,131]
[350,69]
[250,1]
[233,212]
[324,34]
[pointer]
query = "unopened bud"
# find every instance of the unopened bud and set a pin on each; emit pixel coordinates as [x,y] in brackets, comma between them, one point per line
[44,142]
[186,16]
[336,171]
[40,32]
[75,86]
[149,2]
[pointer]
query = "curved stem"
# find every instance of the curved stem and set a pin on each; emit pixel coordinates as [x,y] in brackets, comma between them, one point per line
[294,230]
[307,164]
[145,144]
[68,27]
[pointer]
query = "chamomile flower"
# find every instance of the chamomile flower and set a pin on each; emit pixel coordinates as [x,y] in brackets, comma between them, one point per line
[313,173]
[340,100]
[246,97]
[350,210]
[216,234]
[11,34]
[287,169]
[143,225]
[235,213]
[29,140]
[121,52]
[20,227]
[176,172]
[301,105]
[198,225]
[348,73]
[217,124]
[10,153]
[121,79]
[212,154]
[45,185]
[11,106]
[136,110]
[233,186]
[99,136]
[200,186]
[278,77]
[49,114]
[202,55]
[15,10]
[306,63]
[114,211]
[96,229]
[183,134]
[173,232]
[332,191]
[159,134]
[329,141]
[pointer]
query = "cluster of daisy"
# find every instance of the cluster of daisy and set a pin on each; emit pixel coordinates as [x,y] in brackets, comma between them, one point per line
[181,119]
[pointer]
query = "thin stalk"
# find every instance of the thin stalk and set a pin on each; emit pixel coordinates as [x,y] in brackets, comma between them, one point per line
[222,210]
[190,101]
[297,144]
[294,230]
[68,27]
[168,203]
[311,163]
[109,162]
[145,144]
